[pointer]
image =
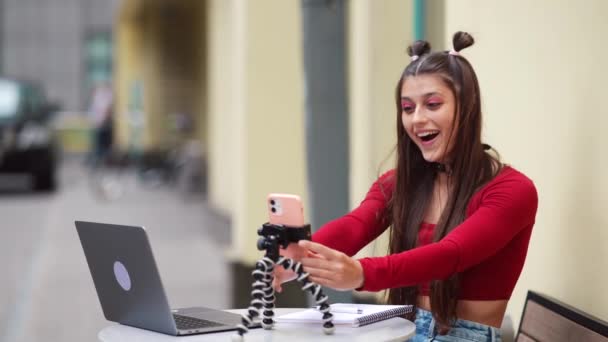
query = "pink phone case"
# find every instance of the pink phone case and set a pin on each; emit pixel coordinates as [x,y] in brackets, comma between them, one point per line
[285,209]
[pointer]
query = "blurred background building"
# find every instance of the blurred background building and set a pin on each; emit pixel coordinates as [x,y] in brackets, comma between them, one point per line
[229,80]
[64,44]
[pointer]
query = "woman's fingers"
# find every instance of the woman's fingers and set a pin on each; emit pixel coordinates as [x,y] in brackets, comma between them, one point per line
[318,248]
[323,282]
[316,263]
[324,272]
[331,268]
[329,283]
[319,272]
[315,255]
[281,275]
[276,285]
[336,270]
[294,251]
[277,278]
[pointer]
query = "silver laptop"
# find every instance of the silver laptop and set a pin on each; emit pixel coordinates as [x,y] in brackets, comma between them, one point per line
[129,287]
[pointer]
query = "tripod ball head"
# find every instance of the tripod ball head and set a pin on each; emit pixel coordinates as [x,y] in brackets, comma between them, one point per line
[284,235]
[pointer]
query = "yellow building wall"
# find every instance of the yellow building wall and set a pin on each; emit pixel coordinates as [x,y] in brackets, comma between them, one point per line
[221,92]
[137,61]
[541,81]
[542,74]
[256,110]
[248,96]
[159,47]
[256,104]
[128,53]
[274,117]
[379,33]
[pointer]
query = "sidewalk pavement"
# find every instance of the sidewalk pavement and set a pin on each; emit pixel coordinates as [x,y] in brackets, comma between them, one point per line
[48,293]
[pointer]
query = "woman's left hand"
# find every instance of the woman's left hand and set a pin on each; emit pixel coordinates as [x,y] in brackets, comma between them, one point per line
[331,268]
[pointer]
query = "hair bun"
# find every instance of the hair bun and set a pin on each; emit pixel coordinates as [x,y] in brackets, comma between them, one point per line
[419,48]
[462,40]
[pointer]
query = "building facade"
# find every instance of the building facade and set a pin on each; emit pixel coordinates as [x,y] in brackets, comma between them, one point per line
[63,44]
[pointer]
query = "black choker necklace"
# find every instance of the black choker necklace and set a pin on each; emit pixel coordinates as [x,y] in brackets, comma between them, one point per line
[439,167]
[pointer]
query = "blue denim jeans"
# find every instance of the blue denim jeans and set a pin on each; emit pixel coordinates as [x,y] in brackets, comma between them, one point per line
[461,331]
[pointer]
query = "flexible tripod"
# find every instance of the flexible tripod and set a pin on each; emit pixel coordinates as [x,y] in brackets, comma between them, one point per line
[271,238]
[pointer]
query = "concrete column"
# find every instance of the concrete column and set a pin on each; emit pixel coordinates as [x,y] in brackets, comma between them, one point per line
[324,45]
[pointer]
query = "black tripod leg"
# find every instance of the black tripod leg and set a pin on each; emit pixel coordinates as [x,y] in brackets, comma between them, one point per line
[263,276]
[268,293]
[315,289]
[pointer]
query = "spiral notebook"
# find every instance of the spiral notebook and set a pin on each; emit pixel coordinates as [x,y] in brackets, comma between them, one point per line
[356,315]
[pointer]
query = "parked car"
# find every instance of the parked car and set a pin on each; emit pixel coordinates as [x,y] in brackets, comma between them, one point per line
[27,142]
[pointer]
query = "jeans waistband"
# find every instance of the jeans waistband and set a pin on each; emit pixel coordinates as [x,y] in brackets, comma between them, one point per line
[461,328]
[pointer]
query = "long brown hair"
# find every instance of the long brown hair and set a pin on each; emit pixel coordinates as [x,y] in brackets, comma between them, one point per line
[470,167]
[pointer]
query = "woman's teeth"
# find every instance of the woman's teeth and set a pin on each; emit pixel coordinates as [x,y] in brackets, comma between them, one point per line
[427,136]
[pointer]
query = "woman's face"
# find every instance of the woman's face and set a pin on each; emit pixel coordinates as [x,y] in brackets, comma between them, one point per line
[428,109]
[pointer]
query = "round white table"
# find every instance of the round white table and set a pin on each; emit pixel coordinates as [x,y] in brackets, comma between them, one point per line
[394,329]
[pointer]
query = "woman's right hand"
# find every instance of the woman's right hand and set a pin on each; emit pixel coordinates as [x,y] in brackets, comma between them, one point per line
[281,275]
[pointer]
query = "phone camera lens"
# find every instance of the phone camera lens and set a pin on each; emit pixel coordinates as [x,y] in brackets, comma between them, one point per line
[272,202]
[273,209]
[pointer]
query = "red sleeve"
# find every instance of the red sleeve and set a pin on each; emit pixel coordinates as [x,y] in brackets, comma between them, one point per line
[507,207]
[349,233]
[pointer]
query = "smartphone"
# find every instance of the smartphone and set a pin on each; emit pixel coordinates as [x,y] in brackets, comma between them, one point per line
[285,209]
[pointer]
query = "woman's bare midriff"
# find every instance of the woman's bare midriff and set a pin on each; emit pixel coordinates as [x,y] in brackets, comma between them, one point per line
[488,312]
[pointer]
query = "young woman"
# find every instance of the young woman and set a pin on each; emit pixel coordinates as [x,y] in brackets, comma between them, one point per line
[460,220]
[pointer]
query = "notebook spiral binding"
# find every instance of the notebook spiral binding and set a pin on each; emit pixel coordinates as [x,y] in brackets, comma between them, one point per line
[379,316]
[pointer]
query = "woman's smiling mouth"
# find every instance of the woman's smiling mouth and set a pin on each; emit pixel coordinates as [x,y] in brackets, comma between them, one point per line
[427,137]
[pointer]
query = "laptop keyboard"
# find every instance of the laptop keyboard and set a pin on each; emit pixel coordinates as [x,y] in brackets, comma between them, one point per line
[189,323]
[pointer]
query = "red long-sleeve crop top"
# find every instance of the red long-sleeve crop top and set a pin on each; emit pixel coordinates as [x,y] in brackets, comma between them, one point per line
[488,248]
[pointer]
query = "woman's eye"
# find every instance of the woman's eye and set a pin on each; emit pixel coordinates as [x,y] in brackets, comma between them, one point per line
[433,105]
[406,107]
